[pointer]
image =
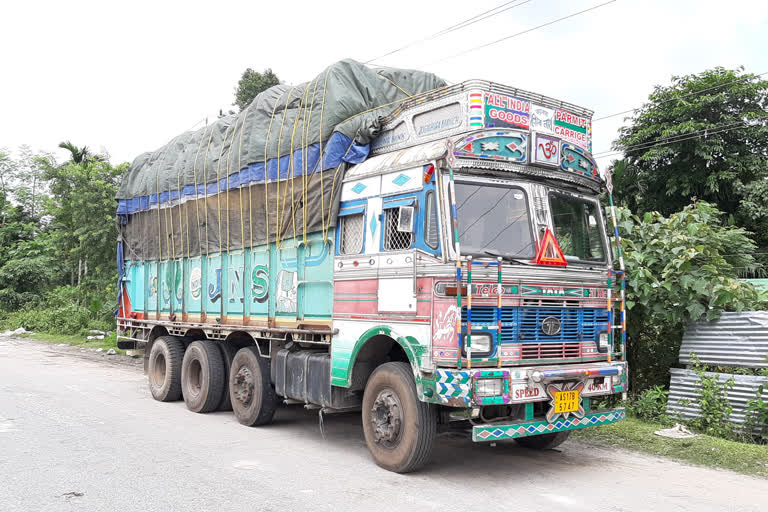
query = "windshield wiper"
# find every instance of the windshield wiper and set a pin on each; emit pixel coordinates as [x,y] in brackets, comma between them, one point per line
[506,257]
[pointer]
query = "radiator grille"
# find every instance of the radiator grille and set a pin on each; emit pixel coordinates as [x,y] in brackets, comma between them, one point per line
[523,324]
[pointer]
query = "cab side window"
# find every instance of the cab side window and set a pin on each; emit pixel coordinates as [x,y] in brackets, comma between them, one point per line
[431,233]
[394,239]
[352,231]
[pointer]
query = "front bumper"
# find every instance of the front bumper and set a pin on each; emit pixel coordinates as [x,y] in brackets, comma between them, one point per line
[525,428]
[457,388]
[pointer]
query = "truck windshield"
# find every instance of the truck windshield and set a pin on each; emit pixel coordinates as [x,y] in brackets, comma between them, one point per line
[493,221]
[577,227]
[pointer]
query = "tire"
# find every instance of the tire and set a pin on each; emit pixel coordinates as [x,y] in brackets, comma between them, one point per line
[164,368]
[228,352]
[543,441]
[202,376]
[251,393]
[399,429]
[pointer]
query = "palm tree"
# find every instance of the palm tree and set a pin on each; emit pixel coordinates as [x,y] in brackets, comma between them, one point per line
[80,155]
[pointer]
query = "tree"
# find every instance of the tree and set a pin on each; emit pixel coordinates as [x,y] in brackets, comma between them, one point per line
[79,155]
[252,83]
[82,226]
[704,136]
[7,171]
[26,185]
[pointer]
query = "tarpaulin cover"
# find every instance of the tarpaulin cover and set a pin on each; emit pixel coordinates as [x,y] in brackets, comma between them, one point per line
[270,173]
[339,109]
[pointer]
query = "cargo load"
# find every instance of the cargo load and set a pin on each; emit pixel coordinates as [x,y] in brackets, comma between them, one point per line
[258,176]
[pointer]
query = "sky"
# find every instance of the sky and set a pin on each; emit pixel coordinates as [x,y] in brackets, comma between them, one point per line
[126,77]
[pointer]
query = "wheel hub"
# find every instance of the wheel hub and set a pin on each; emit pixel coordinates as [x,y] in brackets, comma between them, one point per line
[243,385]
[386,418]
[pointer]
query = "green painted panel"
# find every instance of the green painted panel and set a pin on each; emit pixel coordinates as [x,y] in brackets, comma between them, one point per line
[235,283]
[262,282]
[316,277]
[135,285]
[212,285]
[193,285]
[258,281]
[532,428]
[151,286]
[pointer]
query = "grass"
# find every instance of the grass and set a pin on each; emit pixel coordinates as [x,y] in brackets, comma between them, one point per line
[638,435]
[80,341]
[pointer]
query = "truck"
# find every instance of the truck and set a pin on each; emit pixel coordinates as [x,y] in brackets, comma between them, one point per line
[442,263]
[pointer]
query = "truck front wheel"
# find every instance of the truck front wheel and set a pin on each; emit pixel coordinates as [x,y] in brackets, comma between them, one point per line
[250,390]
[164,368]
[399,429]
[202,376]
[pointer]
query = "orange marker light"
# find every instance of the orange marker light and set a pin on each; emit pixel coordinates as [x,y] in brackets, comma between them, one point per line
[428,173]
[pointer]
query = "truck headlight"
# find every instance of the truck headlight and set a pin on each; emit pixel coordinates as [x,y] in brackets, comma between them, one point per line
[489,387]
[603,342]
[482,344]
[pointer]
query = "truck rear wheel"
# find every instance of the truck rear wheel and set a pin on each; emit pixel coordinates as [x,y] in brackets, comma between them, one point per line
[228,352]
[250,390]
[164,368]
[399,429]
[543,441]
[202,376]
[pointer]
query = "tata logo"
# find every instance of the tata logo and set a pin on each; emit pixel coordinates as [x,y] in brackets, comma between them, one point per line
[550,326]
[552,291]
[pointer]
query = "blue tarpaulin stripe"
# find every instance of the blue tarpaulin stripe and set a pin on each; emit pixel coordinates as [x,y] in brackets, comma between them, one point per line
[338,149]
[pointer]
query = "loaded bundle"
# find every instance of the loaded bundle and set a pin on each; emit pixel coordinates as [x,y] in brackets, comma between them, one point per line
[269,173]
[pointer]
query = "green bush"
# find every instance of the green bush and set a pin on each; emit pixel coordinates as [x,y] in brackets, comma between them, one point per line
[62,311]
[680,269]
[651,404]
[712,399]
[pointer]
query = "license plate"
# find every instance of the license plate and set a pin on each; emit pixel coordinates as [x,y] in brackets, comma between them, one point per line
[566,401]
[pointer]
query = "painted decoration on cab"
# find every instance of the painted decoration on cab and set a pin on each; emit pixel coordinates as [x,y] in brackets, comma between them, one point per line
[547,150]
[506,112]
[572,128]
[542,119]
[496,145]
[574,159]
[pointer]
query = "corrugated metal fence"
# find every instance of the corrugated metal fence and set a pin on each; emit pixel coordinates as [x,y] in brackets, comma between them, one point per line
[683,395]
[735,339]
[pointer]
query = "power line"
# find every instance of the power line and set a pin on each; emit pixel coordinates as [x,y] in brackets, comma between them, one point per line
[523,32]
[671,139]
[458,26]
[612,153]
[683,96]
[681,137]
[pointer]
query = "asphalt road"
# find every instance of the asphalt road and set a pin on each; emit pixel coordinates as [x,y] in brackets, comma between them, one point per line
[80,431]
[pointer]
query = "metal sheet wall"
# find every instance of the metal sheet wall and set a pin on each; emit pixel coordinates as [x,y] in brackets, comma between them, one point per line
[684,388]
[734,339]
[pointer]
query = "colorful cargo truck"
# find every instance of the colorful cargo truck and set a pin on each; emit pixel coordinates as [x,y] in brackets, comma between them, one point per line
[433,256]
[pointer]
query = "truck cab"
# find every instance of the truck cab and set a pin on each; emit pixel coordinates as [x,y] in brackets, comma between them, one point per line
[476,237]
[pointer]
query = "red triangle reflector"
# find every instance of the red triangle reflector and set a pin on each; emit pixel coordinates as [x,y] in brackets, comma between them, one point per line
[550,252]
[468,147]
